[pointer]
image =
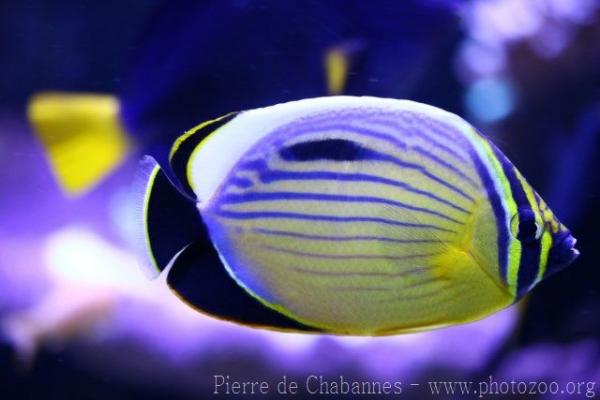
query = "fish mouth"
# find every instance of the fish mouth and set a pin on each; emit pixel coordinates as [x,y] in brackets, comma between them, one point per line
[574,254]
[565,252]
[569,243]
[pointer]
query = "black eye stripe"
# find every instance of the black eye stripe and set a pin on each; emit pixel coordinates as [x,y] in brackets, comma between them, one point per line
[529,262]
[528,226]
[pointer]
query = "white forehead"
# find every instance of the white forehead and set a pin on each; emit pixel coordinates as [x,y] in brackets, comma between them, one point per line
[212,161]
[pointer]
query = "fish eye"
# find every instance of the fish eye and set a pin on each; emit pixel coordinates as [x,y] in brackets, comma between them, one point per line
[527,226]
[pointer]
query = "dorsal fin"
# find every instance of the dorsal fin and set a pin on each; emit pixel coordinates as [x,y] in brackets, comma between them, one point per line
[185,145]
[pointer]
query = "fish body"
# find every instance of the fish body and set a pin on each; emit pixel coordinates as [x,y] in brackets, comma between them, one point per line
[346,215]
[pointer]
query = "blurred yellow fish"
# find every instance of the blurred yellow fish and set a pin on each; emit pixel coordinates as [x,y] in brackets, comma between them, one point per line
[82,135]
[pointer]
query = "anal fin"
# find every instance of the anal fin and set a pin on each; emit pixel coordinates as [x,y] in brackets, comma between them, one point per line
[199,278]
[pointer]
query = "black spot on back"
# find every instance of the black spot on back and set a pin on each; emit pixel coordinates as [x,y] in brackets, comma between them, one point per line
[326,149]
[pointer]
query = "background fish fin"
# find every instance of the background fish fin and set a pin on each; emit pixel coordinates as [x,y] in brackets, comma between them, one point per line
[184,146]
[167,220]
[337,62]
[199,278]
[81,135]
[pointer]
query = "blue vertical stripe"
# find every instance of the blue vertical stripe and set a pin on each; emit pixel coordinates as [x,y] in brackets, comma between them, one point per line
[530,251]
[499,213]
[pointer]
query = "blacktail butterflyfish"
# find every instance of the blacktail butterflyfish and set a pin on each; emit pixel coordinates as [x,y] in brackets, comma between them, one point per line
[345,215]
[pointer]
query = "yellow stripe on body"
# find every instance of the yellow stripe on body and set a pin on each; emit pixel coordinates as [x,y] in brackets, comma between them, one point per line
[546,237]
[317,282]
[382,190]
[416,149]
[391,278]
[546,244]
[502,186]
[528,191]
[548,216]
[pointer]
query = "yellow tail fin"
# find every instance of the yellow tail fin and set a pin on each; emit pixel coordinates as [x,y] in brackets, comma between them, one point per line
[81,135]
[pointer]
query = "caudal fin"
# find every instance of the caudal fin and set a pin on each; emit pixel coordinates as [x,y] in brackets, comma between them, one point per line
[167,220]
[173,239]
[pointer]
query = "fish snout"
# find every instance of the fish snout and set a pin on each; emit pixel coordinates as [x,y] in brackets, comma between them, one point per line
[562,254]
